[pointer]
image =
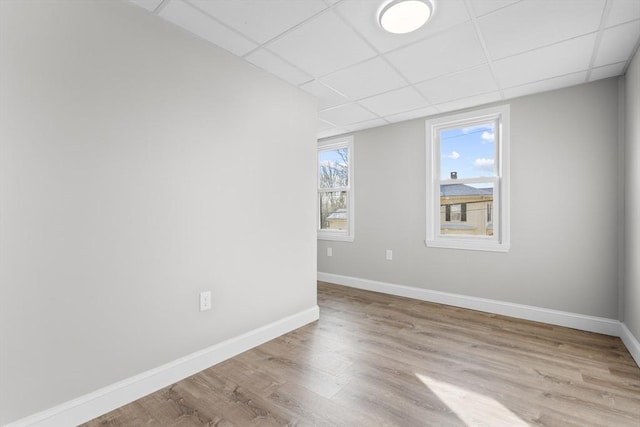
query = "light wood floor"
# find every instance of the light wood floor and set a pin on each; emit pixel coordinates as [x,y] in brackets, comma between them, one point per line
[378,360]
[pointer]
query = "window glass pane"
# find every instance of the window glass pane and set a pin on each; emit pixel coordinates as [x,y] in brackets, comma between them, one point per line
[468,152]
[334,168]
[333,211]
[466,209]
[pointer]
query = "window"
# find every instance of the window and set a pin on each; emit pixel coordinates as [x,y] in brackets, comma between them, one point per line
[468,180]
[335,189]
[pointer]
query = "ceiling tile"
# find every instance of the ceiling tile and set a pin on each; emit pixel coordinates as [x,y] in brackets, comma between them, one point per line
[483,7]
[546,85]
[362,14]
[324,125]
[367,124]
[322,45]
[471,101]
[346,114]
[271,63]
[413,114]
[623,11]
[258,19]
[459,85]
[150,5]
[331,132]
[617,43]
[327,97]
[365,79]
[530,24]
[396,101]
[562,58]
[445,53]
[607,71]
[201,25]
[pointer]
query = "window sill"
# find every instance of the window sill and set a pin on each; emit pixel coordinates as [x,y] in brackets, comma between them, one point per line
[335,237]
[468,245]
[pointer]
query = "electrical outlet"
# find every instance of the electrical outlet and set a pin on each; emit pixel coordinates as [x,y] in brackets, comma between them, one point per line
[205,300]
[389,254]
[329,251]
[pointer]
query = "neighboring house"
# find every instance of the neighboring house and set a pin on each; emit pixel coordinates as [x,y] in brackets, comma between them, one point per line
[338,220]
[466,210]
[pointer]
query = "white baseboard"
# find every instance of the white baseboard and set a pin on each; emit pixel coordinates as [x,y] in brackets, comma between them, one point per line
[101,401]
[633,345]
[600,325]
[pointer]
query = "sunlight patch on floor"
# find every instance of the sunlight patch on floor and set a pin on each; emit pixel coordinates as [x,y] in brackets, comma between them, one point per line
[472,408]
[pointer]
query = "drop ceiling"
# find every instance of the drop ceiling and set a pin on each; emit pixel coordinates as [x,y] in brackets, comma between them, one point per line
[470,53]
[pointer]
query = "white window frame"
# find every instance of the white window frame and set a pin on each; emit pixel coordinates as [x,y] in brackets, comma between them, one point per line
[349,234]
[500,241]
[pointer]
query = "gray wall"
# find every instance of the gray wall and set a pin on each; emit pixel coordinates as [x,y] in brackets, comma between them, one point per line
[632,198]
[564,207]
[139,166]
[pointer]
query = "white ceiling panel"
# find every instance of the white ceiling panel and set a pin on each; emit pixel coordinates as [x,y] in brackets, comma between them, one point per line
[365,79]
[258,19]
[531,24]
[470,53]
[150,5]
[546,85]
[562,58]
[331,132]
[452,51]
[623,11]
[271,63]
[396,101]
[362,14]
[201,25]
[324,125]
[367,124]
[322,45]
[346,114]
[607,71]
[413,114]
[472,101]
[617,43]
[483,7]
[327,97]
[466,83]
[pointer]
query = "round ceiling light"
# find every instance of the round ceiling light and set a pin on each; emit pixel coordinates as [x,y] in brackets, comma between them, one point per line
[405,16]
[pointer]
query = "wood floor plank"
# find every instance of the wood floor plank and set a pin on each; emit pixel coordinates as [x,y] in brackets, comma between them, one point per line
[378,360]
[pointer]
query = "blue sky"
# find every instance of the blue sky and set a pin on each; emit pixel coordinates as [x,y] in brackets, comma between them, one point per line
[469,151]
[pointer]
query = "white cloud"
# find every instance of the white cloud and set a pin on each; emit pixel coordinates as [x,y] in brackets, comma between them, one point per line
[473,129]
[488,136]
[484,164]
[454,155]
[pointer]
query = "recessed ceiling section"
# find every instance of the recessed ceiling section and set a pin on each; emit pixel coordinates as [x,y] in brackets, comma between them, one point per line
[470,52]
